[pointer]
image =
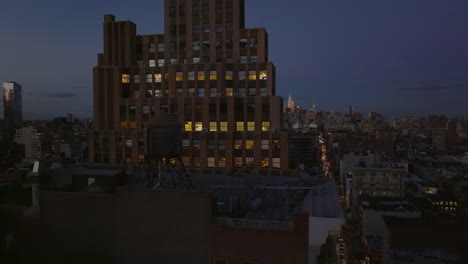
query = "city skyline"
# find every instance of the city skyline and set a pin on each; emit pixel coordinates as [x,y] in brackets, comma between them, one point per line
[413,52]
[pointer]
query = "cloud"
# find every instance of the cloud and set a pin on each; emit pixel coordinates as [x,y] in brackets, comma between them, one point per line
[425,87]
[61,95]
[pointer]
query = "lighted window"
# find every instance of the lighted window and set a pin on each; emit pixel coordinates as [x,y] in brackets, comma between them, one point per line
[128,143]
[250,126]
[136,94]
[196,45]
[229,92]
[123,125]
[249,144]
[243,43]
[253,42]
[228,75]
[191,92]
[238,144]
[213,126]
[252,75]
[253,59]
[265,144]
[223,126]
[276,163]
[152,63]
[160,47]
[196,162]
[249,160]
[179,76]
[243,59]
[196,60]
[201,92]
[206,45]
[149,78]
[266,126]
[210,162]
[213,92]
[157,93]
[152,48]
[238,162]
[173,60]
[136,78]
[188,126]
[125,78]
[132,125]
[213,75]
[198,126]
[221,162]
[201,75]
[265,163]
[187,161]
[191,76]
[157,77]
[240,126]
[241,75]
[263,75]
[161,62]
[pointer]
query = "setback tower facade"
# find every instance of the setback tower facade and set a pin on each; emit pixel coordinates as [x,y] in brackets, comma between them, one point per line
[209,71]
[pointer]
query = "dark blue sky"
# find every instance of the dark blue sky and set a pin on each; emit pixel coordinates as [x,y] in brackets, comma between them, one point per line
[396,57]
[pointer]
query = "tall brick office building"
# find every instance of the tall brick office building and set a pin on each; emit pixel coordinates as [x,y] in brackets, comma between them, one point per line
[209,71]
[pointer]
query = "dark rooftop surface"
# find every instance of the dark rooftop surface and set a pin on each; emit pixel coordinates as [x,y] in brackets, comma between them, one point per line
[424,234]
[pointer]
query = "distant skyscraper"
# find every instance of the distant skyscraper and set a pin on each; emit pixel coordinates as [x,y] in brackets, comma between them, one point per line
[351,110]
[12,104]
[291,104]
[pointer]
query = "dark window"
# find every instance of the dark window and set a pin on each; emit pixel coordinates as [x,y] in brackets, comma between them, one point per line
[183,45]
[219,44]
[229,7]
[219,27]
[229,27]
[182,11]
[250,108]
[173,29]
[219,9]
[182,29]
[213,108]
[206,28]
[173,12]
[173,46]
[196,29]
[206,10]
[228,44]
[196,10]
